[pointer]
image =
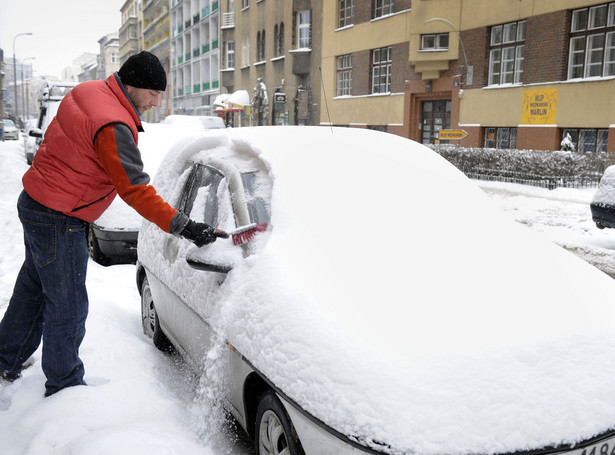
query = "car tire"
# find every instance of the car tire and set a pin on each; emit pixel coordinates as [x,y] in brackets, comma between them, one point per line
[149,319]
[274,432]
[94,249]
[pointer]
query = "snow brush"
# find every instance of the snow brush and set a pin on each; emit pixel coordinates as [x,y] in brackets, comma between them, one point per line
[244,234]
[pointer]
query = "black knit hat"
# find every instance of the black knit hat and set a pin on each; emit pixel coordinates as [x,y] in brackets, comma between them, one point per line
[144,70]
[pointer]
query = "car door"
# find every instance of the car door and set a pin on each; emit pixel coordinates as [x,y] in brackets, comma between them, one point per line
[189,294]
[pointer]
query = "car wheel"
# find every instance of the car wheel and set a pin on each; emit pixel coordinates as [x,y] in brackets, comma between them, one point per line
[94,249]
[149,319]
[275,433]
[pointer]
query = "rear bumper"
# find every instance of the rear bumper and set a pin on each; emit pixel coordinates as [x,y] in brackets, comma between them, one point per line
[603,215]
[117,244]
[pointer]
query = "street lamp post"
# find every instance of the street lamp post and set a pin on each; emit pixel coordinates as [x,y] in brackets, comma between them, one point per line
[26,109]
[15,77]
[468,70]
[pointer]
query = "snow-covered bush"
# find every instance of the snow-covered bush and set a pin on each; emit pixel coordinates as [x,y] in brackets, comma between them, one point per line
[534,167]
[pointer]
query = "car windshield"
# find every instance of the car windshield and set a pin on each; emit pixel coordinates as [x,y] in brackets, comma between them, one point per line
[8,123]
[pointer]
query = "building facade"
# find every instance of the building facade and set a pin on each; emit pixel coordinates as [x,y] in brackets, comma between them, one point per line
[108,56]
[523,74]
[131,32]
[274,46]
[157,40]
[195,55]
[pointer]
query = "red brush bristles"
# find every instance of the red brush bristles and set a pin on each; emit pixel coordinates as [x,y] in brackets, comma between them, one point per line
[244,237]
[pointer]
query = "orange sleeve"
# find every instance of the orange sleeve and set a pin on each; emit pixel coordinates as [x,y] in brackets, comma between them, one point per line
[121,160]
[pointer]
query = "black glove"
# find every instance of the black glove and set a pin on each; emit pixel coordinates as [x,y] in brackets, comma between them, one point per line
[201,233]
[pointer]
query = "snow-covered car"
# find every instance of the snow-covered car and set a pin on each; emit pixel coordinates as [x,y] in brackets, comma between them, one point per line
[603,203]
[49,95]
[388,308]
[10,130]
[112,239]
[30,143]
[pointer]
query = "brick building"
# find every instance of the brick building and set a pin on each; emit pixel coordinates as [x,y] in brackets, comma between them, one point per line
[521,74]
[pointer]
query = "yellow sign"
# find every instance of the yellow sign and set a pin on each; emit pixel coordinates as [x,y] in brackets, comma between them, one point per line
[539,107]
[451,135]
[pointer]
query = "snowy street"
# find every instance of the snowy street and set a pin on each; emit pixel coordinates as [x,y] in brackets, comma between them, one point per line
[142,401]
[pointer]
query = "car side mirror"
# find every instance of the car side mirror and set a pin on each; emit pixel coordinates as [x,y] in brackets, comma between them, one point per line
[35,132]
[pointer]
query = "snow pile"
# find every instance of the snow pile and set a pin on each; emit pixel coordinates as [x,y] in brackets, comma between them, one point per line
[391,295]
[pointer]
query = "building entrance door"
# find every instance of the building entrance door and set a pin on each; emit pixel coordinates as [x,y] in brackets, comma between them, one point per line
[435,116]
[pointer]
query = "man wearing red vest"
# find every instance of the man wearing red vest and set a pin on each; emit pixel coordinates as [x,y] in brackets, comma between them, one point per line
[89,155]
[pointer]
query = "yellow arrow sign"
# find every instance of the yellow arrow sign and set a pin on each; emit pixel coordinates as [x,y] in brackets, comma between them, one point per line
[451,135]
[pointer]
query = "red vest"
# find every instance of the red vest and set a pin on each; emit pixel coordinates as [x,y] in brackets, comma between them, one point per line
[66,174]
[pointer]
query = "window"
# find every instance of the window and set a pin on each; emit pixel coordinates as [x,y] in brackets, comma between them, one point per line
[260,46]
[345,13]
[245,4]
[304,32]
[501,138]
[382,62]
[587,140]
[382,8]
[507,53]
[344,75]
[230,54]
[592,42]
[245,53]
[278,40]
[434,42]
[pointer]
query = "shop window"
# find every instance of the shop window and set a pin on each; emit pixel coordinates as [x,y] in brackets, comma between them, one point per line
[587,140]
[501,138]
[592,42]
[507,53]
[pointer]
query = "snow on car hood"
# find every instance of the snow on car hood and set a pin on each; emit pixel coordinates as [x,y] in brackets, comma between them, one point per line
[392,300]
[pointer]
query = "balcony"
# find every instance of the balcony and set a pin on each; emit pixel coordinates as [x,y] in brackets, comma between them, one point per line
[205,12]
[228,20]
[205,48]
[187,56]
[196,18]
[196,52]
[196,88]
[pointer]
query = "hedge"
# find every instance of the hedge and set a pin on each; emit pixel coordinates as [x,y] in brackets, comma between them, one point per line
[531,167]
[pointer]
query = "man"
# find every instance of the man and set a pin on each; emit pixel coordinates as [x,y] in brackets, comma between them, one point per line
[89,154]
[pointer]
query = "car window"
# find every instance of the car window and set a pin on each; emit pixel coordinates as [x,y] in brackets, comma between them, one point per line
[200,192]
[256,204]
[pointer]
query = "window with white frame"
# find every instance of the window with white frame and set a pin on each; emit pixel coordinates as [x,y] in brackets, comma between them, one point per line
[382,66]
[304,32]
[434,42]
[345,13]
[592,42]
[507,53]
[382,8]
[344,75]
[245,52]
[230,54]
[587,140]
[245,4]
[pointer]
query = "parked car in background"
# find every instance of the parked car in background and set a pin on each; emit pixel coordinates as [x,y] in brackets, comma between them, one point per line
[389,306]
[603,203]
[10,130]
[50,94]
[29,142]
[112,239]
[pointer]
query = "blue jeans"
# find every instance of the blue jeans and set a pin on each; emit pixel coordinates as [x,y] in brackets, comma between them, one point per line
[49,299]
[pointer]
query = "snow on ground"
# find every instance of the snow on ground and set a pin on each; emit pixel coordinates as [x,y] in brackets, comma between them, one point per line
[562,215]
[140,400]
[144,402]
